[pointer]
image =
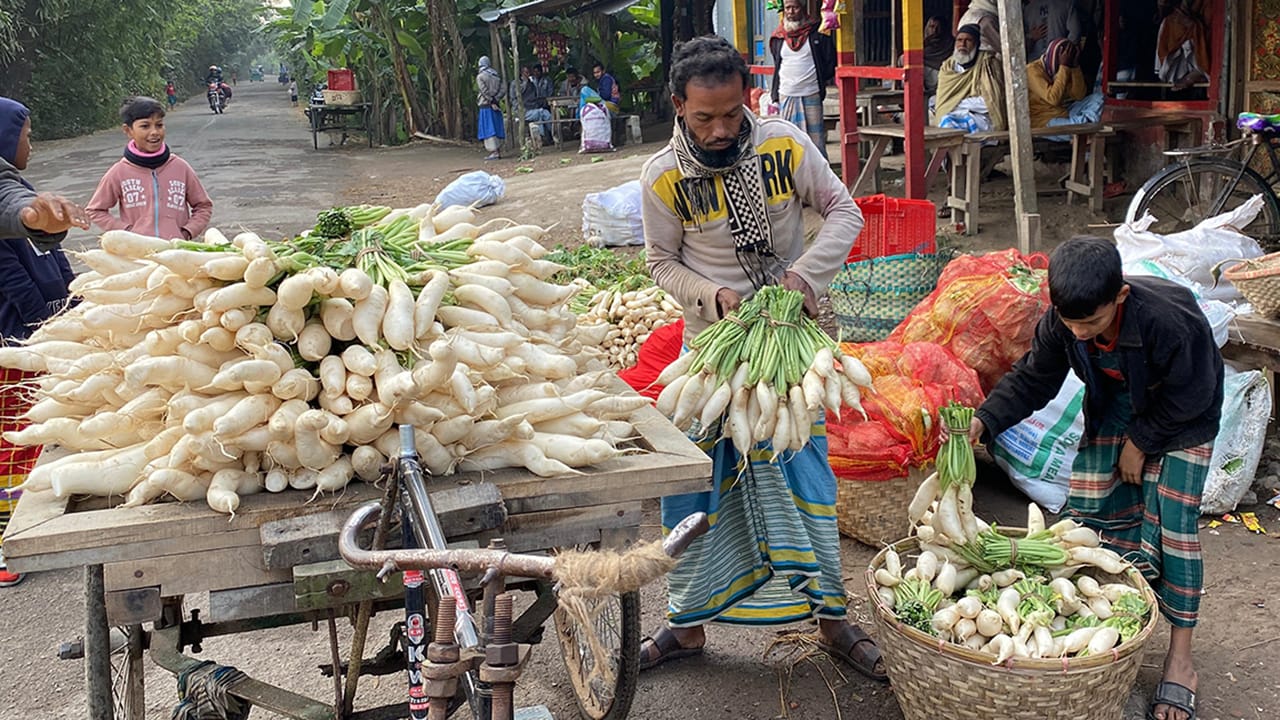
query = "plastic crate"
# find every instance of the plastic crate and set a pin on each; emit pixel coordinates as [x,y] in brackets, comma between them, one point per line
[342,79]
[894,226]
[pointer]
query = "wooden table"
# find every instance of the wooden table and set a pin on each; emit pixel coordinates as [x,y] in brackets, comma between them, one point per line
[1254,340]
[938,142]
[338,118]
[275,561]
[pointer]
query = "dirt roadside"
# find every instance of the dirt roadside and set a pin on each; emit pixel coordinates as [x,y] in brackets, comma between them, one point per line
[258,163]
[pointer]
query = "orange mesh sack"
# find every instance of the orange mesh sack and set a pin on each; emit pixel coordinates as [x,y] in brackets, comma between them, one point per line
[910,383]
[984,311]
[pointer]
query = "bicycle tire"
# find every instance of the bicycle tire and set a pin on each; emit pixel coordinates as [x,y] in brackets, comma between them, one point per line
[1164,195]
[128,643]
[616,701]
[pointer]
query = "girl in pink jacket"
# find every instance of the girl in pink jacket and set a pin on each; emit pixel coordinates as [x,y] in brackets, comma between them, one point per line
[157,192]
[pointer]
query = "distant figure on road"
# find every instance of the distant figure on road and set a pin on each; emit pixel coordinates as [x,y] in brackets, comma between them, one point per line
[33,286]
[293,93]
[233,77]
[489,123]
[157,192]
[171,93]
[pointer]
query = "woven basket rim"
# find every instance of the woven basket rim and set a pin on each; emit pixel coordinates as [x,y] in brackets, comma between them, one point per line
[1257,268]
[981,662]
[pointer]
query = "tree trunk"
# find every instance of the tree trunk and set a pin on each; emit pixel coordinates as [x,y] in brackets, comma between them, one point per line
[414,114]
[448,55]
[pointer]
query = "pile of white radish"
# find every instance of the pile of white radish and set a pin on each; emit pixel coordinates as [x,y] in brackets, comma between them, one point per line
[214,374]
[767,370]
[1014,595]
[618,322]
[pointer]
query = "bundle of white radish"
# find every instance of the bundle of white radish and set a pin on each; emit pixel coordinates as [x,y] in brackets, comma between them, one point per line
[768,369]
[217,369]
[618,322]
[1013,613]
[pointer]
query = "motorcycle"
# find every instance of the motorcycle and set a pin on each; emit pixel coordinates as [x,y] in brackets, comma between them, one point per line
[217,99]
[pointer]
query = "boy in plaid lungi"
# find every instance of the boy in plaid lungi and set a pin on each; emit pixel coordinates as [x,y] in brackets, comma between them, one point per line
[1153,379]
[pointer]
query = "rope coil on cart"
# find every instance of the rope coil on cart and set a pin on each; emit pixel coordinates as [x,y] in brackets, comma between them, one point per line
[205,692]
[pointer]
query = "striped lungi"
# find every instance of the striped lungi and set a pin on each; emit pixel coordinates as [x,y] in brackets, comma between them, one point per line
[805,112]
[773,553]
[15,461]
[1154,526]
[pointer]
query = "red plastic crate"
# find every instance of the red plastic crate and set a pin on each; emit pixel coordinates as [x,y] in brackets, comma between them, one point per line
[894,226]
[342,79]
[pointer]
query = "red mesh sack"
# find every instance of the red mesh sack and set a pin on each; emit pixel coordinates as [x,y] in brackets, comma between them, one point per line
[984,311]
[656,353]
[910,383]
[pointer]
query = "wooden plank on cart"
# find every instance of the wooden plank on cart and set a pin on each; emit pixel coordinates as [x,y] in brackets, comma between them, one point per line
[326,584]
[462,510]
[182,574]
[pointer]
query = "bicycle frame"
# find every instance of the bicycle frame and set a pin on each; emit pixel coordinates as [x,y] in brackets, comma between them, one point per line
[1256,141]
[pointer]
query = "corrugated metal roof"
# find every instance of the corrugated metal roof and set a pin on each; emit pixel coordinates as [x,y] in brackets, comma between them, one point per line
[551,7]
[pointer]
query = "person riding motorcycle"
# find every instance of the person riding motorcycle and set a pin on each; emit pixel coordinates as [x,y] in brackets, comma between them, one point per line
[214,75]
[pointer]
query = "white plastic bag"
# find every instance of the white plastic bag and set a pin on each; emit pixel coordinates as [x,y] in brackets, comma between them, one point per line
[1038,452]
[597,129]
[477,188]
[1246,408]
[1192,254]
[612,218]
[1218,313]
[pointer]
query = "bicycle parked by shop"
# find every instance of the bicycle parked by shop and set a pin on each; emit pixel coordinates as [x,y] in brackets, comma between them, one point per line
[1209,180]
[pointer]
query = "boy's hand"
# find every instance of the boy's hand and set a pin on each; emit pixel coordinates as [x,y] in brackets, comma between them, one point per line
[727,301]
[49,213]
[1130,463]
[976,428]
[792,281]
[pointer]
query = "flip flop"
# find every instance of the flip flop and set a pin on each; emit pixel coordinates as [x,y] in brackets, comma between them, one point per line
[669,648]
[845,654]
[1174,695]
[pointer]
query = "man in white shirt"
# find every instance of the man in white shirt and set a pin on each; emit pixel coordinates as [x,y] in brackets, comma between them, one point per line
[804,62]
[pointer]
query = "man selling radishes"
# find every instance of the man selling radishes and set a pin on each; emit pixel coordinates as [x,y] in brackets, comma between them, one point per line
[722,218]
[1153,397]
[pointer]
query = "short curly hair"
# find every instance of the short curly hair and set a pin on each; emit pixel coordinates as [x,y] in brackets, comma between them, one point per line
[709,59]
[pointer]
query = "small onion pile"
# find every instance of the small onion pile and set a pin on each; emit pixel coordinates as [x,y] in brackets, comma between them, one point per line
[617,322]
[218,369]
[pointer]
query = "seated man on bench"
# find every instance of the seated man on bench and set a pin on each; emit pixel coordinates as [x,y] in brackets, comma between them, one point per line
[970,87]
[1057,90]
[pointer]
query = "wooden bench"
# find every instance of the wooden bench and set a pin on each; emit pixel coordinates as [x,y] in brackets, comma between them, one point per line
[1088,153]
[938,142]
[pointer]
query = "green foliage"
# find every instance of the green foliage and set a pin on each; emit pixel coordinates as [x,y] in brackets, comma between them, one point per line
[74,63]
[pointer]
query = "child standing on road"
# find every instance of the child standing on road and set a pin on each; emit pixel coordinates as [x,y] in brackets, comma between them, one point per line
[293,92]
[171,92]
[157,192]
[1153,399]
[33,286]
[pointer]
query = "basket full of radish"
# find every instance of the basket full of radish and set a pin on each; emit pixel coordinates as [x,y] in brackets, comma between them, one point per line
[979,621]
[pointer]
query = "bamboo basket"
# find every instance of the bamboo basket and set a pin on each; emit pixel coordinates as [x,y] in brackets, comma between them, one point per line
[1259,281]
[934,679]
[875,512]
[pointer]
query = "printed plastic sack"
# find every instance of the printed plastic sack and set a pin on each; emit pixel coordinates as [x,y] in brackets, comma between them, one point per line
[1218,313]
[984,311]
[1246,408]
[911,382]
[612,218]
[477,188]
[597,129]
[1038,452]
[1192,254]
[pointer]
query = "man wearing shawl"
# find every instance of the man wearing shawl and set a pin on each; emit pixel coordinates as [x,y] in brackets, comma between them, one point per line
[804,62]
[722,206]
[1057,89]
[938,46]
[1182,47]
[489,122]
[970,87]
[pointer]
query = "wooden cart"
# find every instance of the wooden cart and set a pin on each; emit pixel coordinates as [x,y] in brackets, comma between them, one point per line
[275,562]
[339,118]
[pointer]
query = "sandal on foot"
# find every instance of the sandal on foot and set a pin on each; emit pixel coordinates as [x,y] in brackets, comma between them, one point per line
[845,654]
[669,648]
[1174,695]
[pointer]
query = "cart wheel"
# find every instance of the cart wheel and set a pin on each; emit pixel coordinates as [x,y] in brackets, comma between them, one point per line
[618,627]
[128,697]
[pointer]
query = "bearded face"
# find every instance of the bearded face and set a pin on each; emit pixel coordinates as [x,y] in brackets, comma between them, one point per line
[964,57]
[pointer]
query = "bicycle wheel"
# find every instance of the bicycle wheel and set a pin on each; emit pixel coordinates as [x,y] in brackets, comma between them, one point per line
[128,697]
[1181,196]
[617,624]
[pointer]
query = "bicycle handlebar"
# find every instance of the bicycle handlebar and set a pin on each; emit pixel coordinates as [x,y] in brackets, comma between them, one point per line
[475,561]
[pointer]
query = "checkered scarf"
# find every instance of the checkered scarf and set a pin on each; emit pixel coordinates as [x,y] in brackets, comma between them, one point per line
[745,200]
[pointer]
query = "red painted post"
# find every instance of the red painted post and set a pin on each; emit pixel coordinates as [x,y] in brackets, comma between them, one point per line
[849,167]
[913,96]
